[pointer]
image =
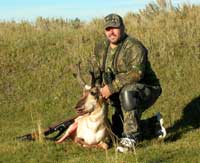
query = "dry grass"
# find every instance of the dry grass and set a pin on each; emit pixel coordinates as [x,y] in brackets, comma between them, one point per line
[37,87]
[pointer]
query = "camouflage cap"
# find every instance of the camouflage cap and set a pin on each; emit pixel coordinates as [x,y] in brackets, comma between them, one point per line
[113,20]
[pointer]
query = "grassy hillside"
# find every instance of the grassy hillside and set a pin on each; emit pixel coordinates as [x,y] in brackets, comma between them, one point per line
[37,87]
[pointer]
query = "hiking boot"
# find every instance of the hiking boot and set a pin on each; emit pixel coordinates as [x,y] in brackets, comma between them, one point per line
[126,144]
[160,131]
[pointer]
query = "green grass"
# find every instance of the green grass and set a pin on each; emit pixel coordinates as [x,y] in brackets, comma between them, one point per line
[38,88]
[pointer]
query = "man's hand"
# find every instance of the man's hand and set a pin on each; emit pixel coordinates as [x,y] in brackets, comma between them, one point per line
[105,91]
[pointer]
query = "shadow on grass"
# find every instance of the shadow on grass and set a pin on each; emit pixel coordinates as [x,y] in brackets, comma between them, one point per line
[190,120]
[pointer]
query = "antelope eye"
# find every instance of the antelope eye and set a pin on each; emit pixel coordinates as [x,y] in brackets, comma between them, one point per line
[93,93]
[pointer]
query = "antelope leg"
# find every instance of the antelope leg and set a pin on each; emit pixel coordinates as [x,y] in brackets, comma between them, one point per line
[72,128]
[86,145]
[103,145]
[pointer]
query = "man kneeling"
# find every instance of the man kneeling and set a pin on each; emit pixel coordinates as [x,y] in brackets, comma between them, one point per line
[132,86]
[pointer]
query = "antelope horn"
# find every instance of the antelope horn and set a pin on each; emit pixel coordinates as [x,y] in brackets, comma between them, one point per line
[79,77]
[92,79]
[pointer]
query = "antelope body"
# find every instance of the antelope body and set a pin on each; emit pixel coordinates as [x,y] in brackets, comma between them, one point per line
[91,126]
[90,129]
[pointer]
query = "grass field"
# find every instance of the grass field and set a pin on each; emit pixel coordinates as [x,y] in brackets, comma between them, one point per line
[38,89]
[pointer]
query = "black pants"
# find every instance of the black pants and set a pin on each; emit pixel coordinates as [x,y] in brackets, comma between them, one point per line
[129,122]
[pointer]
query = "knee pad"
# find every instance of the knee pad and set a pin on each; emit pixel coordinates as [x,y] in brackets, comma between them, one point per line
[129,100]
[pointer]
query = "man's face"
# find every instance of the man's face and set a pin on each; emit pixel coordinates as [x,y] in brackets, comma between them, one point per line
[113,34]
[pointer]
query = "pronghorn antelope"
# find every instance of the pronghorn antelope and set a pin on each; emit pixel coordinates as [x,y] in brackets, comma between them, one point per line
[89,129]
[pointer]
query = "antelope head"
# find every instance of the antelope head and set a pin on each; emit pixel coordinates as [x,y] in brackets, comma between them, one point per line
[91,94]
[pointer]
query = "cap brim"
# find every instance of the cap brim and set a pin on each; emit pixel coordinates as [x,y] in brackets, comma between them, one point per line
[111,25]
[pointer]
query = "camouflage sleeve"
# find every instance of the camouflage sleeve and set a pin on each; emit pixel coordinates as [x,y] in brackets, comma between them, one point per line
[134,61]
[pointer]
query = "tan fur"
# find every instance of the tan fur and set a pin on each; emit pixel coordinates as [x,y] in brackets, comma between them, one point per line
[89,130]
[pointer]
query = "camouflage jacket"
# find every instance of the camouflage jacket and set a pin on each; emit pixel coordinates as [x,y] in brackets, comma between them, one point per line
[130,64]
